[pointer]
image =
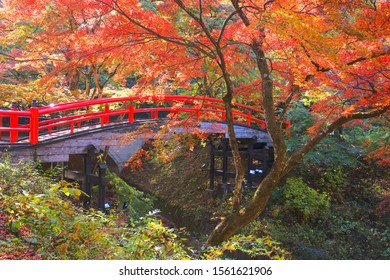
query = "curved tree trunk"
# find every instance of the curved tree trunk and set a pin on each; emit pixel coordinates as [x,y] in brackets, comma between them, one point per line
[237,220]
[241,217]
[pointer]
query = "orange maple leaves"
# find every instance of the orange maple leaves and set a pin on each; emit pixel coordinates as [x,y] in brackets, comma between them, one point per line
[341,48]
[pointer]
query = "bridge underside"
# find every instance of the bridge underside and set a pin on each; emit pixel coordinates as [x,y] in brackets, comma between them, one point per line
[57,147]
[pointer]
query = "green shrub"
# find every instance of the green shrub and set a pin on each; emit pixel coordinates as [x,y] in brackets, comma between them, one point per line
[303,202]
[247,247]
[341,149]
[149,239]
[139,204]
[57,229]
[333,181]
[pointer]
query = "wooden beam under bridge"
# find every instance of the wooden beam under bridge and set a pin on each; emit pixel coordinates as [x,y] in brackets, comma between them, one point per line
[87,178]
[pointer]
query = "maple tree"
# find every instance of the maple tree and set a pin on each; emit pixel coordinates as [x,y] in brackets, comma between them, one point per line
[271,54]
[52,40]
[335,53]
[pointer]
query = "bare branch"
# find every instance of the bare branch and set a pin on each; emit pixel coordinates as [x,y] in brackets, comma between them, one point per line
[298,155]
[178,41]
[224,26]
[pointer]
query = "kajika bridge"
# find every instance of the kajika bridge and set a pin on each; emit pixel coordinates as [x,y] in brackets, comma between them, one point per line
[80,114]
[51,133]
[56,132]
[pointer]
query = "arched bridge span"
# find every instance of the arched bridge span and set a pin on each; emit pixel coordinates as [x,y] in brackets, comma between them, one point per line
[51,133]
[70,116]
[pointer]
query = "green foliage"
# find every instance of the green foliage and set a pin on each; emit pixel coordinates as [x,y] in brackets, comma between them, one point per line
[340,237]
[374,140]
[354,226]
[304,202]
[299,115]
[333,151]
[57,229]
[248,247]
[148,239]
[333,181]
[347,147]
[54,172]
[139,204]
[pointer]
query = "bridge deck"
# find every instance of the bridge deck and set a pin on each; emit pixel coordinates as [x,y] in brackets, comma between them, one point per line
[57,146]
[52,133]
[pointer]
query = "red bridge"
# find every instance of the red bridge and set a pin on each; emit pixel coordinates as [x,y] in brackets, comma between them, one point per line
[69,117]
[72,134]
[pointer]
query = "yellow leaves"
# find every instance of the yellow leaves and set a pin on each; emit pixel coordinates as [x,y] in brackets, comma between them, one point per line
[68,189]
[75,193]
[315,95]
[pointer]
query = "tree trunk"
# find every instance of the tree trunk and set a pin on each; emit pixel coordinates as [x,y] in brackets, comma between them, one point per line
[96,78]
[74,78]
[237,220]
[241,217]
[240,173]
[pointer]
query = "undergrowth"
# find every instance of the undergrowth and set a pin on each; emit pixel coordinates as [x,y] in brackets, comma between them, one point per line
[40,219]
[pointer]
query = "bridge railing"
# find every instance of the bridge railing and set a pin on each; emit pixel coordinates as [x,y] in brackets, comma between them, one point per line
[70,116]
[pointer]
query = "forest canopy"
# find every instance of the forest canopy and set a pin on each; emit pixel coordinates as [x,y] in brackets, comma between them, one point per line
[330,56]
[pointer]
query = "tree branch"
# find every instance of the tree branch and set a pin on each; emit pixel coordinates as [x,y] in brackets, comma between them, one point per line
[241,14]
[177,41]
[224,26]
[298,155]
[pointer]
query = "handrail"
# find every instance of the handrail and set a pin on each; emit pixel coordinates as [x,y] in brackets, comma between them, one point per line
[196,106]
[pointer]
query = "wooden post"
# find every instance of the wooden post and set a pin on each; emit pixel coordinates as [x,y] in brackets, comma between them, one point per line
[225,165]
[212,165]
[250,161]
[34,123]
[14,123]
[225,161]
[102,187]
[87,171]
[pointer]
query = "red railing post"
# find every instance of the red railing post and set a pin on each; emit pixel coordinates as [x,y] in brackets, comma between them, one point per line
[131,114]
[14,123]
[34,123]
[1,124]
[171,113]
[106,111]
[174,112]
[263,125]
[248,118]
[50,129]
[287,124]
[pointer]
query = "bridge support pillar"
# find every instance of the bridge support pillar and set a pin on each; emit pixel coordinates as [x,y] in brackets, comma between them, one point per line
[102,187]
[86,175]
[257,160]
